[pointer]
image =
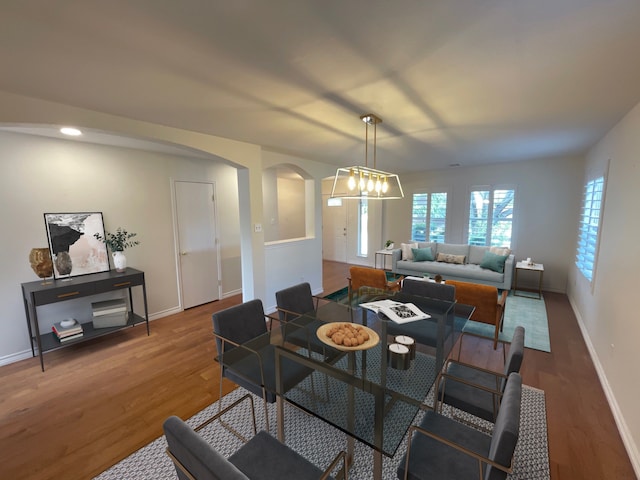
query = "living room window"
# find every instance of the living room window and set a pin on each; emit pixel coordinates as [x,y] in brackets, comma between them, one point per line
[589,226]
[429,214]
[491,216]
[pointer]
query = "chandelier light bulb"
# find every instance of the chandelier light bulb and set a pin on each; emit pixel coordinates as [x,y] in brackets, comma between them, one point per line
[351,183]
[385,185]
[378,184]
[370,183]
[361,184]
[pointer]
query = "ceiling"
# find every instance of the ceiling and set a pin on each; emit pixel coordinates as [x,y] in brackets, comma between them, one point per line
[467,82]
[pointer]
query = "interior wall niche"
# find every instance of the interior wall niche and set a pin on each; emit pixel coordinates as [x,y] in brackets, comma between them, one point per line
[286,211]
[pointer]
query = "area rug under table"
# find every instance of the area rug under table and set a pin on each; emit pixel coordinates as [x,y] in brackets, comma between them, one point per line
[319,442]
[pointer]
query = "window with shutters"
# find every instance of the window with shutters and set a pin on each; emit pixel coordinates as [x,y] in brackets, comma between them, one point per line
[589,225]
[491,216]
[429,217]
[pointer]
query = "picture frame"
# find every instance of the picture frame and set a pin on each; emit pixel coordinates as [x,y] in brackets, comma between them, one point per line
[74,248]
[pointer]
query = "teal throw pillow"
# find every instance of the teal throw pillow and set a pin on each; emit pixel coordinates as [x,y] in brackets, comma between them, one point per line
[494,262]
[422,254]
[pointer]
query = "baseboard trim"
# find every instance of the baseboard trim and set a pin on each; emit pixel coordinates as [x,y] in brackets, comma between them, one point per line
[627,440]
[15,357]
[164,313]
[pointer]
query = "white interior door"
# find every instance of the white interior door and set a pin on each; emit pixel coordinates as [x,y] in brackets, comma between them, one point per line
[334,233]
[197,239]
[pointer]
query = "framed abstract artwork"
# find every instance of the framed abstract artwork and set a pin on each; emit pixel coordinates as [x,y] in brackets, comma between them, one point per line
[74,248]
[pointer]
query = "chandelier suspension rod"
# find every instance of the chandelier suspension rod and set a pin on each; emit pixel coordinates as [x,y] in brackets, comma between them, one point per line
[375,137]
[366,144]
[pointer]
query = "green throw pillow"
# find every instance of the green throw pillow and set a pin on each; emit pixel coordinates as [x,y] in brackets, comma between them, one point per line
[494,262]
[422,254]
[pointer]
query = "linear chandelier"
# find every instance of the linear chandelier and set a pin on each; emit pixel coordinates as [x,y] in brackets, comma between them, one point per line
[365,182]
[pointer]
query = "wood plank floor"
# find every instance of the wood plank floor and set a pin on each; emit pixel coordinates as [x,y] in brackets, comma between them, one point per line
[99,401]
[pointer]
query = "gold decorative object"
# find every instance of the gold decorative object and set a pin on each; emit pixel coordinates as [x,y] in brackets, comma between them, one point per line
[41,264]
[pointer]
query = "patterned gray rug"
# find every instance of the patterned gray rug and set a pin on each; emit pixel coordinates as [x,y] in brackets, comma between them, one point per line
[319,442]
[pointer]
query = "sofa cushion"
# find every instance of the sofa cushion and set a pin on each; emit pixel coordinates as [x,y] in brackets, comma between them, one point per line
[422,254]
[407,254]
[432,245]
[467,271]
[500,250]
[494,262]
[476,254]
[453,249]
[450,258]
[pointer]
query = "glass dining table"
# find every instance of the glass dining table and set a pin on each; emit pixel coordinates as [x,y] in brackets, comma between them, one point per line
[358,390]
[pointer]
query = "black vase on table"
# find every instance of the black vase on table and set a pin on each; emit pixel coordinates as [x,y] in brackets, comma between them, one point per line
[63,263]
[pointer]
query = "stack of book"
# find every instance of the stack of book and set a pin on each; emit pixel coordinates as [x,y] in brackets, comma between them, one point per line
[65,334]
[110,313]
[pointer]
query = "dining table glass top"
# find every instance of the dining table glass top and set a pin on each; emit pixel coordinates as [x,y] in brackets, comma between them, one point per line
[356,389]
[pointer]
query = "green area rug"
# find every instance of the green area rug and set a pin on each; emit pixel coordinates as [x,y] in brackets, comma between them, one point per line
[530,312]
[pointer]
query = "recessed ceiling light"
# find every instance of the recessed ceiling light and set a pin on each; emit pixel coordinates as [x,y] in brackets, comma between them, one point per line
[73,132]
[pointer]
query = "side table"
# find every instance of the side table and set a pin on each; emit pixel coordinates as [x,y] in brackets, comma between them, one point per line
[532,267]
[384,253]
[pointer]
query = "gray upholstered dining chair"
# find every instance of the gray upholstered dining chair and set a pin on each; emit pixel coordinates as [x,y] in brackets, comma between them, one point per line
[424,332]
[261,457]
[424,288]
[443,448]
[292,302]
[247,355]
[476,390]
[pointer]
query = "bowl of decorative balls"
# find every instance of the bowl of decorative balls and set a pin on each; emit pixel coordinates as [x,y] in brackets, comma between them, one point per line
[347,336]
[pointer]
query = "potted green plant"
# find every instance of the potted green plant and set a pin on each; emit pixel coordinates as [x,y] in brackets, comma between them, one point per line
[388,244]
[117,242]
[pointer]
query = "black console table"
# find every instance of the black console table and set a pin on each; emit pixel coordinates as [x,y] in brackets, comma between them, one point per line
[36,294]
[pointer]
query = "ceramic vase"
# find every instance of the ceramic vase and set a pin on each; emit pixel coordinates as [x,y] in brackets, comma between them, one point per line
[119,261]
[63,263]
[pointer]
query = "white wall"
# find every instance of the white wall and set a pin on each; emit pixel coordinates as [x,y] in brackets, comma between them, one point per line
[608,312]
[131,188]
[300,260]
[546,209]
[291,208]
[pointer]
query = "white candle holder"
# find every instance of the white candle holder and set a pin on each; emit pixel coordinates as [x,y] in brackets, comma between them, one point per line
[408,342]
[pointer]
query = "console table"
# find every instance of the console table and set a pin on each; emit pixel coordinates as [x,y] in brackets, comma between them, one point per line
[35,294]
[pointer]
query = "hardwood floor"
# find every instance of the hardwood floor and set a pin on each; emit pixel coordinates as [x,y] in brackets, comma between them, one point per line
[99,401]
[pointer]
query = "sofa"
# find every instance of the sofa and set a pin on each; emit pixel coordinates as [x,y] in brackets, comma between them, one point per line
[476,264]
